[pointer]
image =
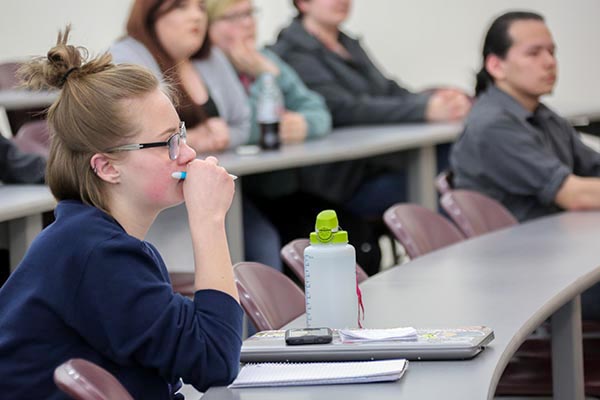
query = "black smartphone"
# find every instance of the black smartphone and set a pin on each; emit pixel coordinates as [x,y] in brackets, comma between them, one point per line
[308,336]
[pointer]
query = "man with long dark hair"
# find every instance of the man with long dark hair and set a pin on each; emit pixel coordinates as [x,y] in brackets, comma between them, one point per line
[514,148]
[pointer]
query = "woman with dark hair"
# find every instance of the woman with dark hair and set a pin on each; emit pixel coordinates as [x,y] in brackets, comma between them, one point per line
[356,91]
[170,38]
[336,66]
[90,286]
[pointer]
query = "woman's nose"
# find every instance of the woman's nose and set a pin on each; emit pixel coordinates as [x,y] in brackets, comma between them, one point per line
[186,153]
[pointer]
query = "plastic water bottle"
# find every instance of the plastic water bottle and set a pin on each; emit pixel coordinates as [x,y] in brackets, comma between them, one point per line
[330,276]
[268,109]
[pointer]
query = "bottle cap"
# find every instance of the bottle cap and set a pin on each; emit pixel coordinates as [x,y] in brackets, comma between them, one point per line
[327,229]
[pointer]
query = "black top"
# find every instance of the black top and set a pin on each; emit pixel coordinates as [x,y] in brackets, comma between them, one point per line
[518,157]
[19,167]
[210,108]
[355,90]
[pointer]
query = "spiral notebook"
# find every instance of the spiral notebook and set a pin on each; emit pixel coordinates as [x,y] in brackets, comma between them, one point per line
[320,373]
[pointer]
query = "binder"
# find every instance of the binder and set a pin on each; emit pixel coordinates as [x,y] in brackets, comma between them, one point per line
[430,344]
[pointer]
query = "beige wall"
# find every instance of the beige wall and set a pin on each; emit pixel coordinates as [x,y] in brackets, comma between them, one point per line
[425,43]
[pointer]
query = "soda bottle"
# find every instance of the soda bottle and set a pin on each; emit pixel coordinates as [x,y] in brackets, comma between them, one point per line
[268,109]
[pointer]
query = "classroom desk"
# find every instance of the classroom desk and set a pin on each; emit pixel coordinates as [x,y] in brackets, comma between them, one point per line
[18,99]
[511,280]
[21,208]
[170,232]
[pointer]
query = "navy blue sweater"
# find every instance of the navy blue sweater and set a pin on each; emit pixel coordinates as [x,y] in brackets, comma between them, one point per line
[87,289]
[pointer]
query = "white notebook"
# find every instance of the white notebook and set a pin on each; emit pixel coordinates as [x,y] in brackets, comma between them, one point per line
[318,373]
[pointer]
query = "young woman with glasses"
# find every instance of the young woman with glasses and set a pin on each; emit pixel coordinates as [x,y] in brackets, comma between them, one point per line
[90,286]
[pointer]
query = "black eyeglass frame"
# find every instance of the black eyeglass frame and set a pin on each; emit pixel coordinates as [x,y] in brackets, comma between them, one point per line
[173,143]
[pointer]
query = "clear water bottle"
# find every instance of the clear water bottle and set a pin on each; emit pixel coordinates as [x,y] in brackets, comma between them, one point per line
[330,276]
[268,109]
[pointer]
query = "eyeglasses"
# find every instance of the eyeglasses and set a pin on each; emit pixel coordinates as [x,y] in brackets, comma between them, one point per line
[238,16]
[173,143]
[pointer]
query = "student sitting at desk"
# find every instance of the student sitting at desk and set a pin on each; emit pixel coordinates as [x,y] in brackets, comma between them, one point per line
[169,37]
[90,286]
[357,93]
[514,148]
[232,28]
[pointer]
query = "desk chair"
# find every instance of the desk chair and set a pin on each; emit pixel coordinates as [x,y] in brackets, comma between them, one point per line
[444,182]
[9,80]
[269,298]
[183,283]
[475,213]
[84,380]
[419,229]
[293,256]
[34,137]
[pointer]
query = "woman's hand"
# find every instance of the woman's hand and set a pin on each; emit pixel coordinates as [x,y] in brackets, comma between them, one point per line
[209,137]
[218,132]
[208,191]
[247,59]
[292,127]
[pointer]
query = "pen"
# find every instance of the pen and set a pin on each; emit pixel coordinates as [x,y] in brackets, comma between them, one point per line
[182,174]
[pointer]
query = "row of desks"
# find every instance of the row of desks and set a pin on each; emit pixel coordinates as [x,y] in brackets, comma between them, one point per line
[170,232]
[487,280]
[510,280]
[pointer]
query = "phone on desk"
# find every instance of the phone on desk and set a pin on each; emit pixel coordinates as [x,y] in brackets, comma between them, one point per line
[308,336]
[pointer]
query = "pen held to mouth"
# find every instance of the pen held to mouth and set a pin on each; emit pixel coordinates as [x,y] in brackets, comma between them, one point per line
[182,174]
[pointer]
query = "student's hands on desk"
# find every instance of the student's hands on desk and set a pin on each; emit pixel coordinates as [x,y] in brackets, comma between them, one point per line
[447,105]
[210,137]
[292,127]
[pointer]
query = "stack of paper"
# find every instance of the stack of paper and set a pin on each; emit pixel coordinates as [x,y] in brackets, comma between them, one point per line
[377,335]
[319,373]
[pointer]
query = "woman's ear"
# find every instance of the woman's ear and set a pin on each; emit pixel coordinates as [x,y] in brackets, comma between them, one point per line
[105,168]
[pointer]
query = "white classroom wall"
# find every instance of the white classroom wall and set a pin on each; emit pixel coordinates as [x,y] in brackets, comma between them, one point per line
[423,44]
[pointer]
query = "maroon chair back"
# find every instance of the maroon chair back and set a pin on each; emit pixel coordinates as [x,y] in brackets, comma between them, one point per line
[269,298]
[8,75]
[293,256]
[84,380]
[475,213]
[183,283]
[9,80]
[419,229]
[34,137]
[444,182]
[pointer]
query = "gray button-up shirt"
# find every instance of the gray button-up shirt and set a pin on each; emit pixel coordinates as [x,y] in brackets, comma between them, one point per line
[518,157]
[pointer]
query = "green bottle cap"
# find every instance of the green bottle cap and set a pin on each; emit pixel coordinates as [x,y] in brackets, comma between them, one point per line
[327,229]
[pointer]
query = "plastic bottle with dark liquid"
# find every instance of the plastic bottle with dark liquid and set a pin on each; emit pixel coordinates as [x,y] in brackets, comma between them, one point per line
[268,109]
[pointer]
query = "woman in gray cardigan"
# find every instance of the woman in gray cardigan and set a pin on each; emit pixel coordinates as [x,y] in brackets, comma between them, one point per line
[169,38]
